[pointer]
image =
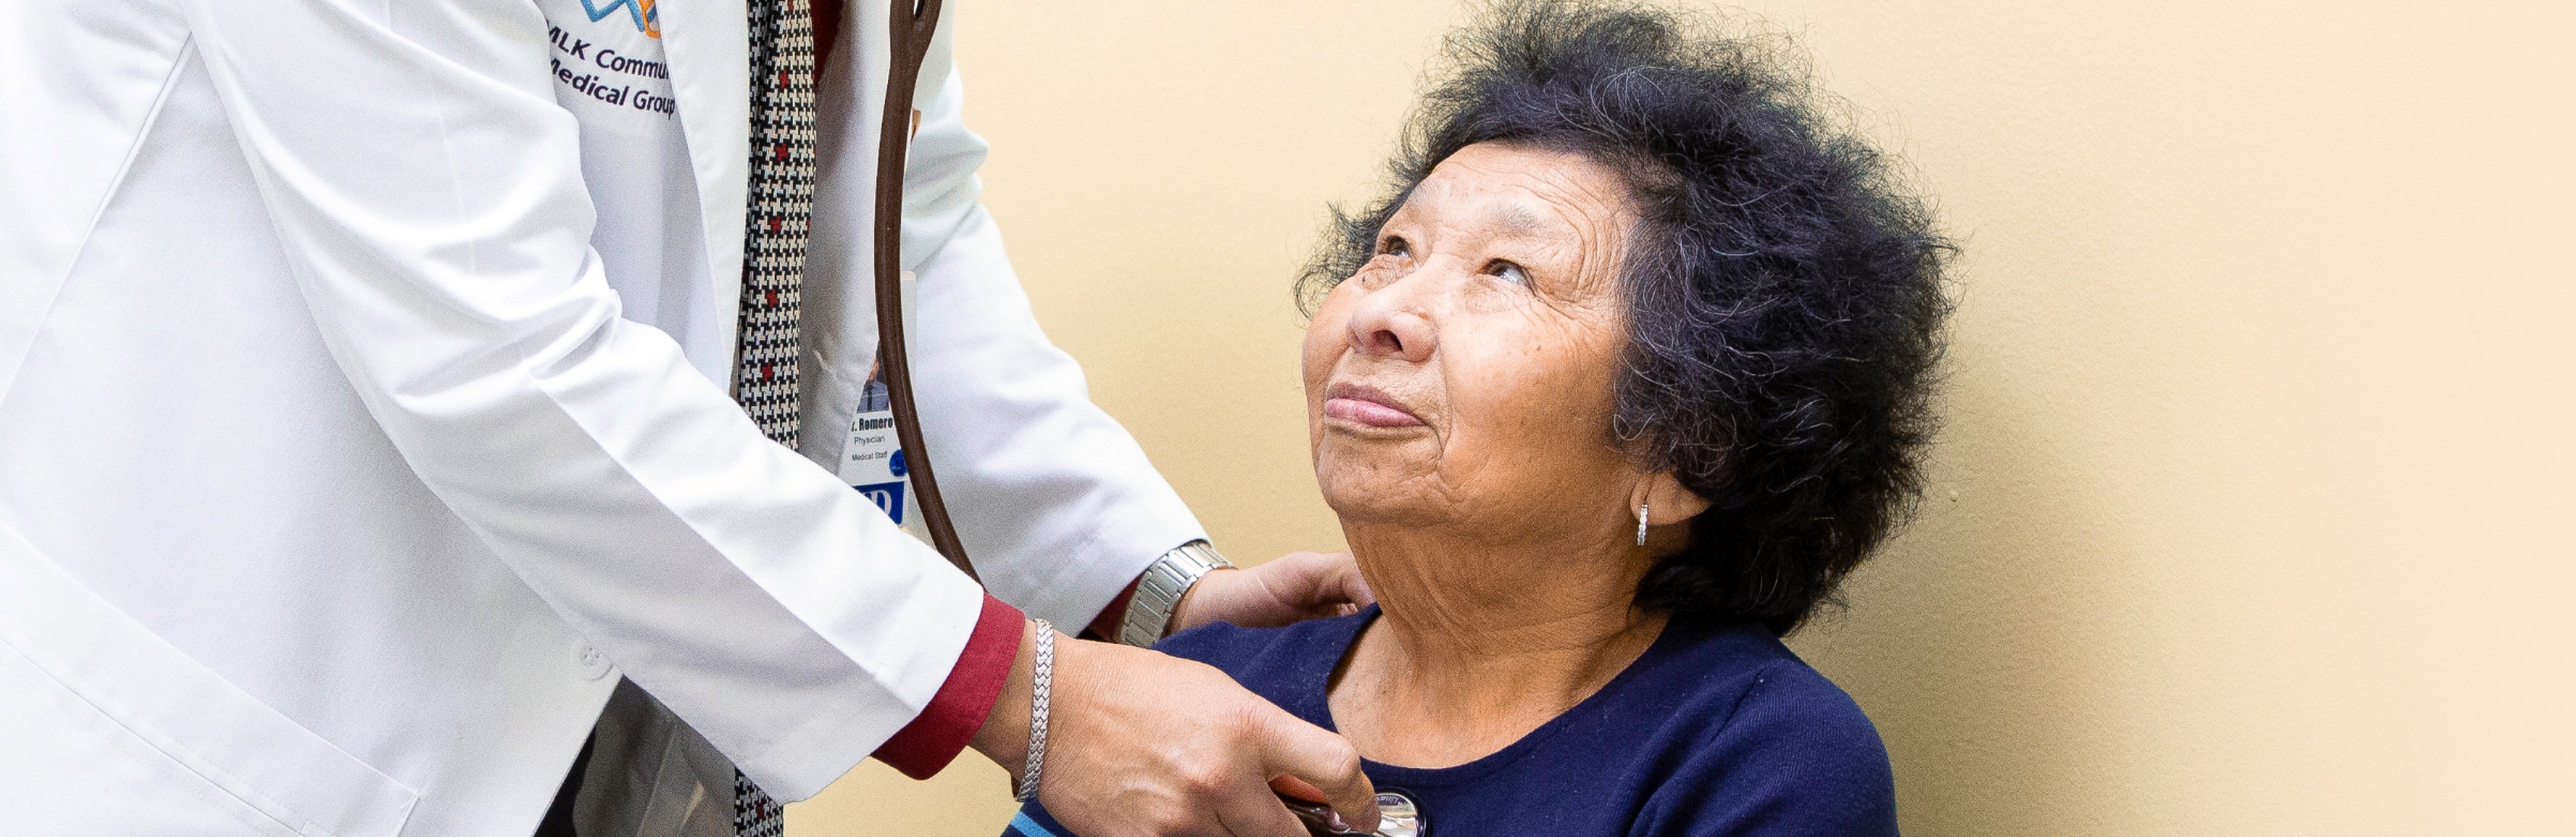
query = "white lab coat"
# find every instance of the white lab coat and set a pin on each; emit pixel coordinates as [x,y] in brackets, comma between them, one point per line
[335,493]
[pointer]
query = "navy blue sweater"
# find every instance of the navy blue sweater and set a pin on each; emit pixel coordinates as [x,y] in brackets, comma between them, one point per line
[1716,730]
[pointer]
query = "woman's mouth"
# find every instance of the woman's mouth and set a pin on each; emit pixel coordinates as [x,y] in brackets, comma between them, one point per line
[1366,405]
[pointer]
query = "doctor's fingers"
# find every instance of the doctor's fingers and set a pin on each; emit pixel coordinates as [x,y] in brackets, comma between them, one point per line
[1323,583]
[1263,816]
[1147,745]
[1324,761]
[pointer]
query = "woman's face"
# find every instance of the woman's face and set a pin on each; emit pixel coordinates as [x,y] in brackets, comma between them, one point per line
[1465,374]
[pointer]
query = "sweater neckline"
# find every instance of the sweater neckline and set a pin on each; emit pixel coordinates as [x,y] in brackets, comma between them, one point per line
[1314,703]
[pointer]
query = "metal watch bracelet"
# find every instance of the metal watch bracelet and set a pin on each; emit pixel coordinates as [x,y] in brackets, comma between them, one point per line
[1159,590]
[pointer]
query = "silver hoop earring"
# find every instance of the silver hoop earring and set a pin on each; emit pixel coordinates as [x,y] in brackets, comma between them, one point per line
[1641,524]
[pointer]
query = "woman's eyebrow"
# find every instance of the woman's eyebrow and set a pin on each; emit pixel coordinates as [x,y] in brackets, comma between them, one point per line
[1522,222]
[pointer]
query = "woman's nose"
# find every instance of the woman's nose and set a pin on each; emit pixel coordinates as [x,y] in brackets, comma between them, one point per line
[1388,324]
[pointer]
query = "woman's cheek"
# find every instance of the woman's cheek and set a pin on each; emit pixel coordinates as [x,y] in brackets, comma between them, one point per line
[1327,339]
[1326,336]
[1533,383]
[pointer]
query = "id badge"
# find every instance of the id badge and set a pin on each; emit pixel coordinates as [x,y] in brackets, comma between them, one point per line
[872,461]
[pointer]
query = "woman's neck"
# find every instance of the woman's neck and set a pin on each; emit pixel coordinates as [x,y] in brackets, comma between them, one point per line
[1481,640]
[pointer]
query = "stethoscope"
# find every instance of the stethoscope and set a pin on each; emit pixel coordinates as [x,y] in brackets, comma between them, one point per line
[1396,816]
[910,28]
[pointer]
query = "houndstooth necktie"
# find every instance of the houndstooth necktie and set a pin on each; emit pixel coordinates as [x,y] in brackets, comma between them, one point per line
[773,264]
[781,204]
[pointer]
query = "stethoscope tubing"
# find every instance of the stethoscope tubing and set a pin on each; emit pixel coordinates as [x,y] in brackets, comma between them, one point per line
[910,28]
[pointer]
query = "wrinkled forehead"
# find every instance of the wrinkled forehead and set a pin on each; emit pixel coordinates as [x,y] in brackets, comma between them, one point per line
[1520,192]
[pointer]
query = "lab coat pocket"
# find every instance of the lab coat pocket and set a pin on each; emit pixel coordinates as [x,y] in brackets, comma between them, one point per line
[115,731]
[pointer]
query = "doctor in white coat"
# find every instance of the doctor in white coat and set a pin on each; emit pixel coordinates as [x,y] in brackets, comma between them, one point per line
[360,430]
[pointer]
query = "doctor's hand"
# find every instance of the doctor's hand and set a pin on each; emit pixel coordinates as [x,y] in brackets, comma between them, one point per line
[1288,589]
[1144,745]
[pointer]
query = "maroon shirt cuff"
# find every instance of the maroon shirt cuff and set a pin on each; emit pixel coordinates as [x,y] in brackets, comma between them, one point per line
[943,729]
[1112,619]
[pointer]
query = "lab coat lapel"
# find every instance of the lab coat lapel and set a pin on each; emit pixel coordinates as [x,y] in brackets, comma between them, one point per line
[708,46]
[840,325]
[839,263]
[852,104]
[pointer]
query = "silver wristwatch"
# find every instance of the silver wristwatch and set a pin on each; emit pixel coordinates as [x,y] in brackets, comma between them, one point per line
[1159,590]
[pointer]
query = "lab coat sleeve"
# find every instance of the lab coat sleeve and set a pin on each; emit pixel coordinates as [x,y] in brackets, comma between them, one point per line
[1056,501]
[428,194]
[1052,498]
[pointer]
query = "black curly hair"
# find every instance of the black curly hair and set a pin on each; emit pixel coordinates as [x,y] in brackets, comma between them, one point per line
[1784,291]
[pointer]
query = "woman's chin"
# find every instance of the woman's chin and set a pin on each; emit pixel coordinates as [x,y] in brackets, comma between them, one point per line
[1359,499]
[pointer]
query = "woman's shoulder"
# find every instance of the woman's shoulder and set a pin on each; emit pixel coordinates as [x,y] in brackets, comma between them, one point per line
[1218,643]
[1286,665]
[1775,738]
[1751,692]
[1734,670]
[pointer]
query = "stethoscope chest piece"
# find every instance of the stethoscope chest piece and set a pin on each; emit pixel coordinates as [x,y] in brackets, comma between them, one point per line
[1397,816]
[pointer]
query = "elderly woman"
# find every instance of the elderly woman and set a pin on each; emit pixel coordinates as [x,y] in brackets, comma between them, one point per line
[1624,376]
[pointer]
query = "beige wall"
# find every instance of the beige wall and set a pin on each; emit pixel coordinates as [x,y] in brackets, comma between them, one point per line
[2243,520]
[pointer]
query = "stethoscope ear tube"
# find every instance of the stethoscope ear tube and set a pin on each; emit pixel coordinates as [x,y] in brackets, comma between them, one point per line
[911,28]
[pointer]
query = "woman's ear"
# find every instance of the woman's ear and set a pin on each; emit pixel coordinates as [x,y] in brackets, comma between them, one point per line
[1666,501]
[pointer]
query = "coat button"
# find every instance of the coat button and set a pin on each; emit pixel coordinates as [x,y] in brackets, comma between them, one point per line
[594,665]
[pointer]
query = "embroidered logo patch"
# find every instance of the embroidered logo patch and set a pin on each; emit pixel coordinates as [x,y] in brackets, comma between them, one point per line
[647,19]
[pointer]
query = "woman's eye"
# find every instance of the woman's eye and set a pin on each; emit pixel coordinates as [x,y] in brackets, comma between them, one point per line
[1396,247]
[1509,272]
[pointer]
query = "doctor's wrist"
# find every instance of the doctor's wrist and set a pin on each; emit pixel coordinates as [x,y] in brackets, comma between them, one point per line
[1004,737]
[1192,610]
[1161,594]
[965,702]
